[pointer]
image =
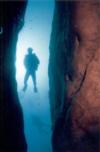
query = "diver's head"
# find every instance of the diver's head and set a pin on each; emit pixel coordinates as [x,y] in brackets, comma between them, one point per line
[30,50]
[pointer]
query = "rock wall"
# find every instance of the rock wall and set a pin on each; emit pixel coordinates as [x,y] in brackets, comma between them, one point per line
[59,52]
[74,75]
[11,117]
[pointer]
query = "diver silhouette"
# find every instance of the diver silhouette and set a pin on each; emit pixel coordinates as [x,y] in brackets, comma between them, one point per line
[31,63]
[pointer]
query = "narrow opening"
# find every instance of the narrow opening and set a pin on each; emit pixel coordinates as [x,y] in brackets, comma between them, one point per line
[35,105]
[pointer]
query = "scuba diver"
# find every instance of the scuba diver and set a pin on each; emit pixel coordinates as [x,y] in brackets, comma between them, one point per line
[31,63]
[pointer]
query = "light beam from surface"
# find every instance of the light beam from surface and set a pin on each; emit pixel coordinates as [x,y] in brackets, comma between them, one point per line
[35,34]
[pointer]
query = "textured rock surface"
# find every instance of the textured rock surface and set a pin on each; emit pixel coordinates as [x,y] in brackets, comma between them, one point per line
[76,39]
[85,87]
[58,59]
[11,118]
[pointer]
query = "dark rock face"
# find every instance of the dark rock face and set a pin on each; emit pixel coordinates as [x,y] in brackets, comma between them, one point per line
[11,118]
[74,73]
[58,58]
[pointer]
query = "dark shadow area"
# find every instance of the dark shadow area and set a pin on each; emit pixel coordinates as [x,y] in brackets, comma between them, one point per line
[11,117]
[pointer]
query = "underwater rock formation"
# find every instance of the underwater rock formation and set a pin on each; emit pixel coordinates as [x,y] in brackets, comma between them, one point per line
[11,117]
[74,76]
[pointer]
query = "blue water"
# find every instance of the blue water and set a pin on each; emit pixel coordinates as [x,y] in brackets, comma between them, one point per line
[36,109]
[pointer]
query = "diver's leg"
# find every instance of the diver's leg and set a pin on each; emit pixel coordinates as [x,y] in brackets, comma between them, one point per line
[25,81]
[34,81]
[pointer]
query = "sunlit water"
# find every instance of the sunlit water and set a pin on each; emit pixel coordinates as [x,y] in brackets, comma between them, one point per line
[35,106]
